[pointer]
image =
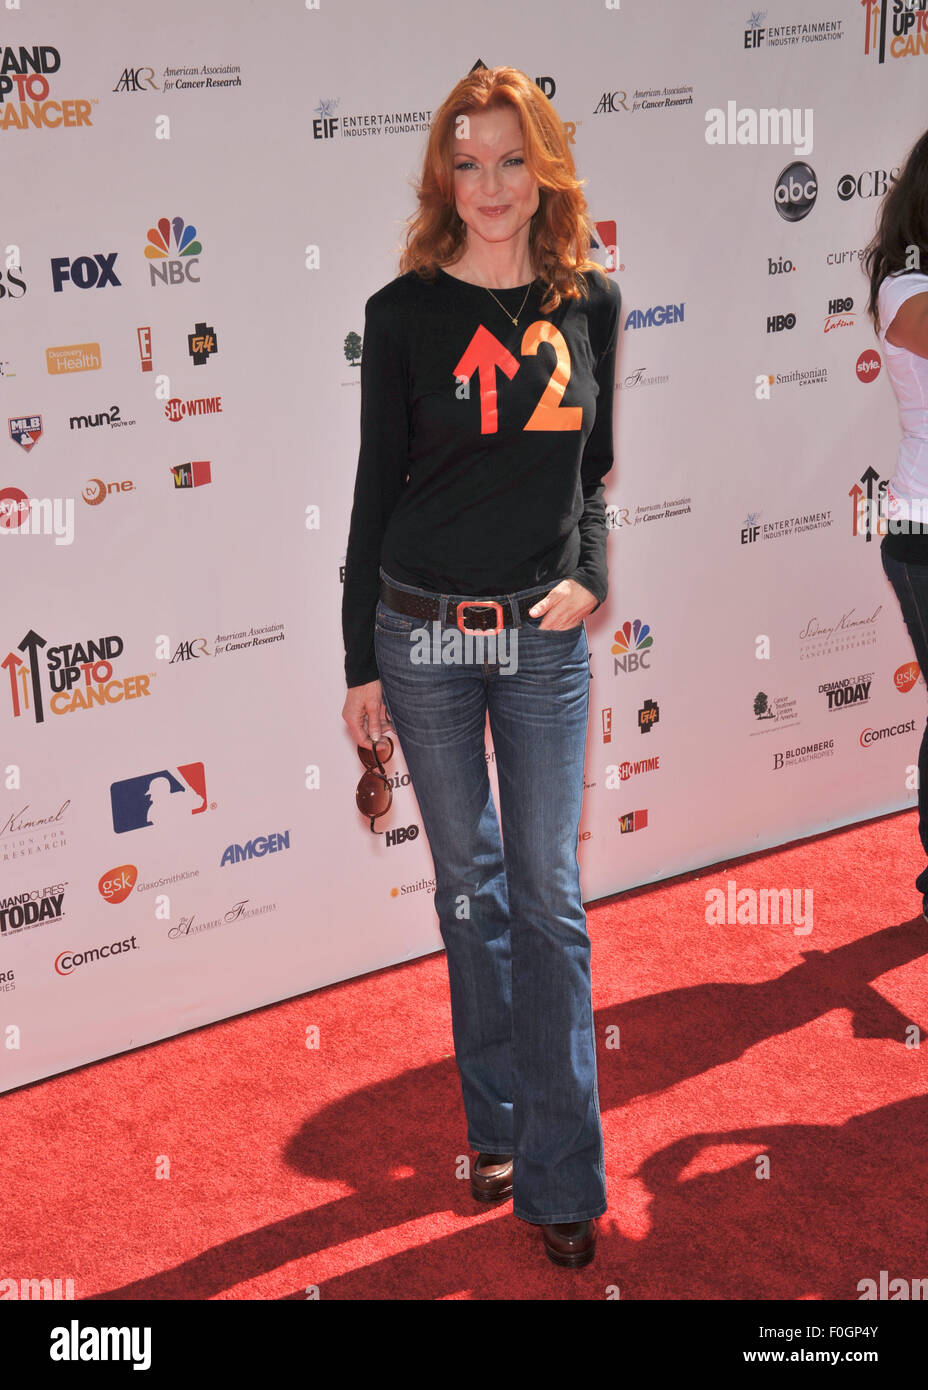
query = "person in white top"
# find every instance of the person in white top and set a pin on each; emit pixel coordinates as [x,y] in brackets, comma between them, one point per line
[896,262]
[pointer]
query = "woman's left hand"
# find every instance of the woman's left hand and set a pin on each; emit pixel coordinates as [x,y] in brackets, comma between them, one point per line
[564,606]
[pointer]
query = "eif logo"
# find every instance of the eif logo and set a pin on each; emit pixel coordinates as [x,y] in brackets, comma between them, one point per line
[175,237]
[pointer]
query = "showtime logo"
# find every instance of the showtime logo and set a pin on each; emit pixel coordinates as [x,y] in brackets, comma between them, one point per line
[175,409]
[177,269]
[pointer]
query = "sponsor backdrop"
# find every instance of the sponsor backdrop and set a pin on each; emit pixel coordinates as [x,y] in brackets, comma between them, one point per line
[200,200]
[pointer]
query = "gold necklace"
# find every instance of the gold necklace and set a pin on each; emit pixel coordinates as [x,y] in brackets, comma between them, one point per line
[503,307]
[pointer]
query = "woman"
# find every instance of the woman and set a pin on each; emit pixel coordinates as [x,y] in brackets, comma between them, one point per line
[896,262]
[477,547]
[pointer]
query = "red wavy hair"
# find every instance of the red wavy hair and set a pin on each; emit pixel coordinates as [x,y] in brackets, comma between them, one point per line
[561,230]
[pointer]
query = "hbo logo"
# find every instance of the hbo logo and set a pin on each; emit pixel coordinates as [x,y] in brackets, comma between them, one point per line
[840,306]
[779,267]
[777,322]
[401,834]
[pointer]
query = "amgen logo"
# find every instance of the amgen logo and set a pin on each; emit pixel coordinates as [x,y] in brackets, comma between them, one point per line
[795,192]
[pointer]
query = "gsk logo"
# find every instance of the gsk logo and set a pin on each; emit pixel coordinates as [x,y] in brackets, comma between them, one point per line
[173,269]
[633,642]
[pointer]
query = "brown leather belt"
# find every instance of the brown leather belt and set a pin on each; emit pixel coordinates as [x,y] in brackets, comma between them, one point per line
[470,615]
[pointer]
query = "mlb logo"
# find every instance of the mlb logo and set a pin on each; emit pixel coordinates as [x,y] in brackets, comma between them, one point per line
[158,798]
[26,431]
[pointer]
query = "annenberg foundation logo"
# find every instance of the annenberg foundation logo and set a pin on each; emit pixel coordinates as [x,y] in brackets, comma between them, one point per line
[33,908]
[905,37]
[162,797]
[68,961]
[178,237]
[78,675]
[25,92]
[795,191]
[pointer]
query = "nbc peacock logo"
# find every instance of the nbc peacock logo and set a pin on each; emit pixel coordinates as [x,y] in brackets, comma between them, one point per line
[173,252]
[632,647]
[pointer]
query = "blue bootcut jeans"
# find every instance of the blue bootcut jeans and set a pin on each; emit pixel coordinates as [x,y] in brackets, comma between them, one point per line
[910,583]
[512,921]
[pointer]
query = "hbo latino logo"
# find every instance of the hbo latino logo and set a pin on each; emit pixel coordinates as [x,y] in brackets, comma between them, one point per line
[795,192]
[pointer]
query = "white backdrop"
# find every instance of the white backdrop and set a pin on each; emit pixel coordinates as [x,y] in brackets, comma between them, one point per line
[288,138]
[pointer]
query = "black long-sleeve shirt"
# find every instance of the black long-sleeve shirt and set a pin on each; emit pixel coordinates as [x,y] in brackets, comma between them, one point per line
[483,445]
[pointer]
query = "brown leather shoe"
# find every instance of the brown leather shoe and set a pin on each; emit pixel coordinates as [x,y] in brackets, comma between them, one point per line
[491,1177]
[570,1244]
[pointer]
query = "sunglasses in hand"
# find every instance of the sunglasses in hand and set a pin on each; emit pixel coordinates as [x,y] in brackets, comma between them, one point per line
[375,793]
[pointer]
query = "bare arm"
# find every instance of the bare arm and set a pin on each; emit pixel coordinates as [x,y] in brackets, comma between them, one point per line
[909,329]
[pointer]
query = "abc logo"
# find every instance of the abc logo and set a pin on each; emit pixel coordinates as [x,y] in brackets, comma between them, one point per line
[795,192]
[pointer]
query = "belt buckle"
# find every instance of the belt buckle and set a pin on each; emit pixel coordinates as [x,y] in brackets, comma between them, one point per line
[480,603]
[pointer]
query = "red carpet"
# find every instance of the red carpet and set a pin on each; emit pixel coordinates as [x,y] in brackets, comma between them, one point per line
[293,1168]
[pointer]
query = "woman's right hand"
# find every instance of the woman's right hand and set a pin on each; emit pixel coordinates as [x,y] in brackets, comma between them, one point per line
[365,712]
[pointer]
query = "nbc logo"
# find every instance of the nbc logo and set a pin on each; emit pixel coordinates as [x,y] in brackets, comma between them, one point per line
[173,251]
[633,642]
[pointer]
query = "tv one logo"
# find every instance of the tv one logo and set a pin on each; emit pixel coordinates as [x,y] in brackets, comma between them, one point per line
[795,192]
